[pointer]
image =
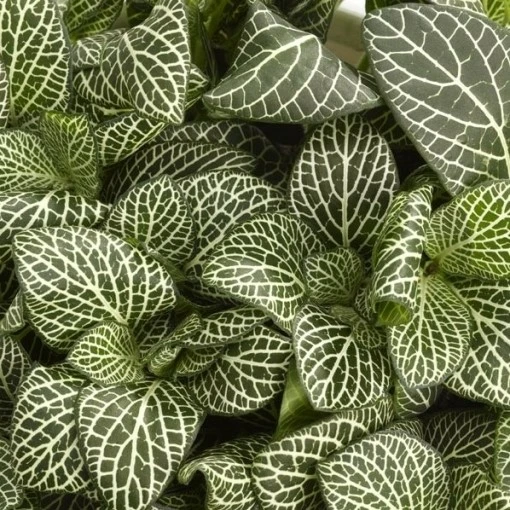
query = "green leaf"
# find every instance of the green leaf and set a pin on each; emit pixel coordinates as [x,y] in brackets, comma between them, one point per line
[87,51]
[382,119]
[107,354]
[282,74]
[144,429]
[284,473]
[34,209]
[80,12]
[455,109]
[498,10]
[397,255]
[411,402]
[313,16]
[472,488]
[336,373]
[14,364]
[246,376]
[148,333]
[25,164]
[10,493]
[227,471]
[51,501]
[412,426]
[259,262]
[502,451]
[103,19]
[386,470]
[120,137]
[343,182]
[474,6]
[89,277]
[36,53]
[434,344]
[156,214]
[485,374]
[70,142]
[470,234]
[333,277]
[219,200]
[4,96]
[190,362]
[44,436]
[198,83]
[14,319]
[462,436]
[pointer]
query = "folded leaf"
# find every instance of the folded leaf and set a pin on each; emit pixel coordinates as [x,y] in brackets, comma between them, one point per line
[87,51]
[409,403]
[14,319]
[191,362]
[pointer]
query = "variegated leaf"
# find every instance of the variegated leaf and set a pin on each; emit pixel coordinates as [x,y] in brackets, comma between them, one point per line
[219,200]
[227,470]
[120,137]
[107,354]
[498,10]
[472,488]
[412,426]
[70,143]
[44,436]
[282,74]
[160,357]
[259,262]
[462,436]
[190,362]
[177,160]
[30,210]
[144,429]
[156,214]
[435,342]
[89,277]
[148,333]
[284,473]
[343,182]
[87,51]
[471,5]
[455,109]
[386,470]
[25,165]
[181,497]
[79,12]
[489,305]
[471,235]
[333,277]
[313,16]
[502,451]
[408,403]
[397,255]
[14,365]
[383,120]
[4,96]
[10,494]
[198,83]
[102,20]
[336,373]
[14,319]
[248,374]
[53,501]
[36,53]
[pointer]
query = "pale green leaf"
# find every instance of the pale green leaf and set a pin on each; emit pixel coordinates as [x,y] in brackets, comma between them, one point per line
[10,493]
[44,435]
[284,473]
[107,354]
[498,10]
[343,182]
[471,234]
[435,342]
[247,375]
[30,210]
[144,429]
[89,277]
[336,373]
[443,72]
[386,470]
[411,402]
[282,74]
[502,451]
[259,262]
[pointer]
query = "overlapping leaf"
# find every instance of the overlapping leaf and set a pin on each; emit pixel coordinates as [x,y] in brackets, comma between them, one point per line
[498,10]
[89,277]
[454,108]
[52,501]
[44,436]
[434,344]
[488,303]
[79,12]
[227,470]
[191,362]
[284,473]
[313,16]
[282,74]
[502,451]
[471,235]
[259,262]
[4,96]
[148,333]
[246,376]
[36,54]
[103,19]
[156,214]
[87,50]
[343,182]
[412,426]
[10,493]
[107,354]
[386,470]
[134,438]
[14,319]
[30,210]
[198,82]
[336,373]
[408,403]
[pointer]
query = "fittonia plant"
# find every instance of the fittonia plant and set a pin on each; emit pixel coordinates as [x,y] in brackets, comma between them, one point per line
[313,316]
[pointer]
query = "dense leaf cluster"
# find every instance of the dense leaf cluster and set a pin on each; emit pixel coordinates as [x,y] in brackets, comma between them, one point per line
[225,251]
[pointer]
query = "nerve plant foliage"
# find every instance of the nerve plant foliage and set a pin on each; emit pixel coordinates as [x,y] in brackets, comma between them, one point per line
[313,316]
